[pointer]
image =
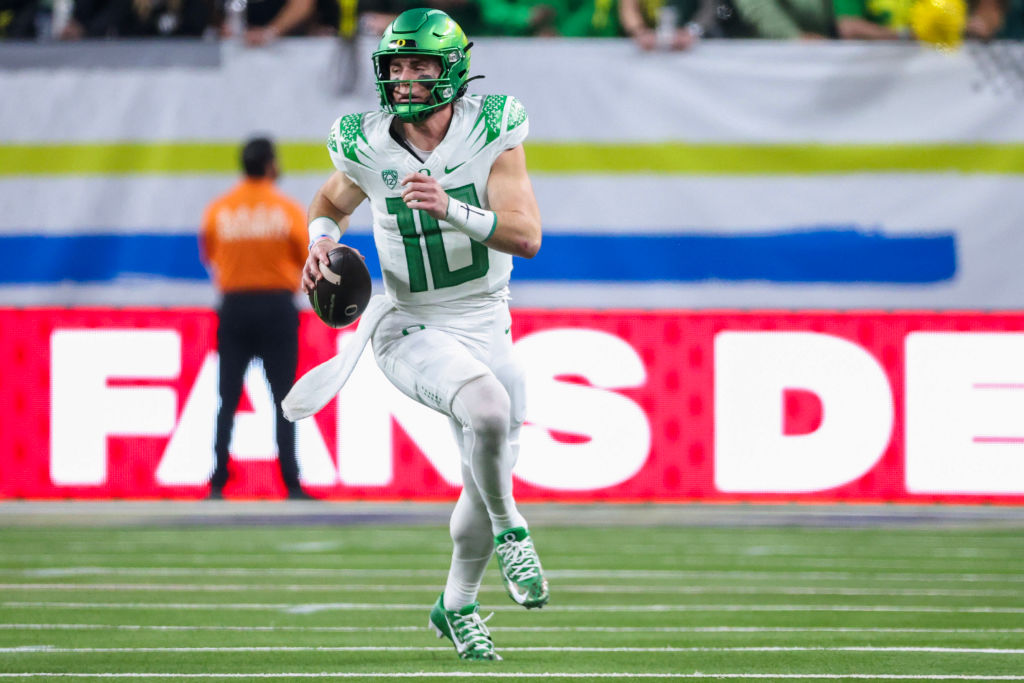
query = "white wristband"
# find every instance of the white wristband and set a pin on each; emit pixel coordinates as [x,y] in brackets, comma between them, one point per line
[478,223]
[323,226]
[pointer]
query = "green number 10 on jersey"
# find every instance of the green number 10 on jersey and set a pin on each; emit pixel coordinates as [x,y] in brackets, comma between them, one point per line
[441,274]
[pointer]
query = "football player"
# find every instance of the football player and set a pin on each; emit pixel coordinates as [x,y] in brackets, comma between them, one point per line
[452,203]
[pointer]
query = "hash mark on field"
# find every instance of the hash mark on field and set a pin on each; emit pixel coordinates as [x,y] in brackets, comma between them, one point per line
[502,629]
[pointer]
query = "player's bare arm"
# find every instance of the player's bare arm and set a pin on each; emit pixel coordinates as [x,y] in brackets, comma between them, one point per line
[510,193]
[517,230]
[336,200]
[857,28]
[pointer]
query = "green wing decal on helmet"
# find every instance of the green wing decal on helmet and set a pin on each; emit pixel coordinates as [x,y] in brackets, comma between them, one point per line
[347,136]
[426,33]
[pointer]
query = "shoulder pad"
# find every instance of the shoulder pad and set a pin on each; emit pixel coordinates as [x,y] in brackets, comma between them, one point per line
[492,114]
[516,113]
[347,137]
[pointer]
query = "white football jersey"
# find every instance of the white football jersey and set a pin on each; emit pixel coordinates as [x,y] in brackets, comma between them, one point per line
[426,261]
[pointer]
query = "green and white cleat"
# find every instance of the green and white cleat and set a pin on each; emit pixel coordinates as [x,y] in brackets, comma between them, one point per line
[465,629]
[520,568]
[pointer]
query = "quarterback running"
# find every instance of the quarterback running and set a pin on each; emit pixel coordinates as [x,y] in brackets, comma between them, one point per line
[452,203]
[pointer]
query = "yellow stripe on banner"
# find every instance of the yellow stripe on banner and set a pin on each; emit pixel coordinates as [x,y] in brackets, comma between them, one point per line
[143,158]
[679,158]
[671,158]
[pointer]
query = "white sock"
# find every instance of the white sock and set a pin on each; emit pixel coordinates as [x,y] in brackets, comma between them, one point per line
[471,534]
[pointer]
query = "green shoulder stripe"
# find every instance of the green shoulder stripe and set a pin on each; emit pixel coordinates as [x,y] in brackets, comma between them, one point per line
[347,136]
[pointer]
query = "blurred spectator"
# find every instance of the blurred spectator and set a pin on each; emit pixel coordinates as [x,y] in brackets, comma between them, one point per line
[327,15]
[787,19]
[18,19]
[522,17]
[865,20]
[986,19]
[1013,28]
[590,19]
[860,20]
[690,21]
[375,15]
[253,240]
[466,13]
[136,18]
[267,20]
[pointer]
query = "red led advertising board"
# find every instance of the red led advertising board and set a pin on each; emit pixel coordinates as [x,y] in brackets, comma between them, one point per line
[622,406]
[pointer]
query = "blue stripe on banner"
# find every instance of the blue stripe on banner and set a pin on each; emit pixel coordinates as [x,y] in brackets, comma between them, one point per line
[825,255]
[48,259]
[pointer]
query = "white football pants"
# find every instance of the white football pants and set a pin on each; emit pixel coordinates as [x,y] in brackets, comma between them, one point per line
[461,364]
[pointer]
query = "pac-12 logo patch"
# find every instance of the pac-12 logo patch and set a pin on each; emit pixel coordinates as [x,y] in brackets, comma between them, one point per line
[390,177]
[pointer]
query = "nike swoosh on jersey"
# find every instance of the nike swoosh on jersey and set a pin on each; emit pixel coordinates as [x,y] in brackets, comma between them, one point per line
[449,170]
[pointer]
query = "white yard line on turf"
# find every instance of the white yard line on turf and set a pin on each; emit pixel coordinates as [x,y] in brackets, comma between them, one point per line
[730,552]
[782,561]
[562,587]
[509,674]
[664,574]
[48,649]
[312,608]
[503,629]
[712,545]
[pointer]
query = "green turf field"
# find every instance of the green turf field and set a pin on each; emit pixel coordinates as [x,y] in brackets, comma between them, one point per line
[351,602]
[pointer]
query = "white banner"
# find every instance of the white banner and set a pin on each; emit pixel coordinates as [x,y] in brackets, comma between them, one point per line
[607,90]
[741,174]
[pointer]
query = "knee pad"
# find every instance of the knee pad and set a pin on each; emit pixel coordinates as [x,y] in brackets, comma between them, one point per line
[484,407]
[513,378]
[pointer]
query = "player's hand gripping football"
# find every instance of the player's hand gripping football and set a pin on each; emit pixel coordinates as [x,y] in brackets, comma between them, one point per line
[318,255]
[423,193]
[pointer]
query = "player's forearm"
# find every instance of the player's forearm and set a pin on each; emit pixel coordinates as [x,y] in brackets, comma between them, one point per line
[332,206]
[517,227]
[631,18]
[323,206]
[325,219]
[513,231]
[769,19]
[855,28]
[516,233]
[291,15]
